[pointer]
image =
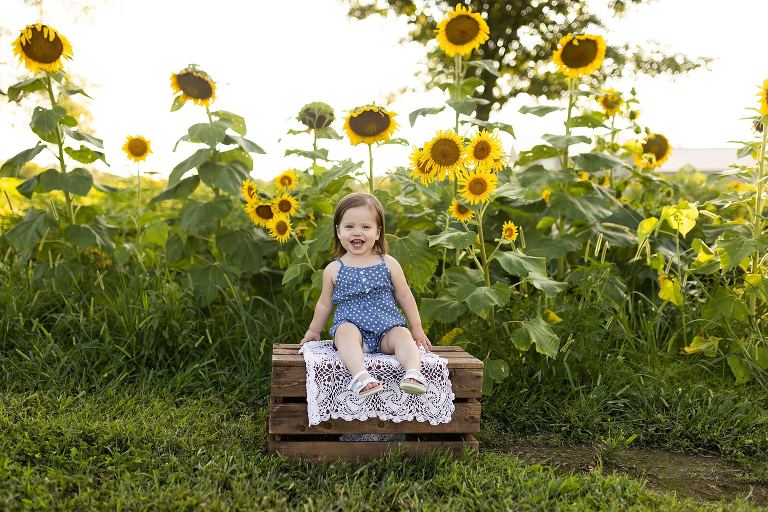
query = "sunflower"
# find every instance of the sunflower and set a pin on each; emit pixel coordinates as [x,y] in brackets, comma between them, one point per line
[41,48]
[419,170]
[286,180]
[460,212]
[656,151]
[546,195]
[136,148]
[260,212]
[583,176]
[369,124]
[763,95]
[633,115]
[476,186]
[484,150]
[579,55]
[461,31]
[280,228]
[316,115]
[286,205]
[444,154]
[248,189]
[195,85]
[509,231]
[611,102]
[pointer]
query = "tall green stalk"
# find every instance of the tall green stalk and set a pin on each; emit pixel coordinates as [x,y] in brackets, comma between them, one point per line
[60,144]
[483,255]
[370,168]
[757,214]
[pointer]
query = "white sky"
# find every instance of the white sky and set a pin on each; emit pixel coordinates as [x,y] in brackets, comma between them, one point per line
[269,61]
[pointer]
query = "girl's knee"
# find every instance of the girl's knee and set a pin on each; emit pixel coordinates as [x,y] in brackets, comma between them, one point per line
[347,333]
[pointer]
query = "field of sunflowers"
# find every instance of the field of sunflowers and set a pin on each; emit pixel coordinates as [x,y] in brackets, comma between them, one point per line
[575,270]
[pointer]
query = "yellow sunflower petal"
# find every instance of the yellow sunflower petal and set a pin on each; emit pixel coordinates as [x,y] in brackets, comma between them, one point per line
[260,212]
[763,95]
[280,228]
[193,84]
[286,205]
[477,186]
[460,212]
[137,148]
[484,151]
[41,48]
[461,31]
[655,151]
[248,190]
[419,169]
[611,102]
[369,124]
[444,154]
[509,231]
[286,180]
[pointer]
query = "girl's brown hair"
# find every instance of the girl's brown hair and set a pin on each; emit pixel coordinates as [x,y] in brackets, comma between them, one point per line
[354,200]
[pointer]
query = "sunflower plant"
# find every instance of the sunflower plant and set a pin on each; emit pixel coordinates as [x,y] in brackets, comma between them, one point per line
[316,118]
[44,51]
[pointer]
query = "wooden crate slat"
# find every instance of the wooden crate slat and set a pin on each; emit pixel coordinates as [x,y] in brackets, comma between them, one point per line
[290,381]
[292,419]
[362,450]
[453,362]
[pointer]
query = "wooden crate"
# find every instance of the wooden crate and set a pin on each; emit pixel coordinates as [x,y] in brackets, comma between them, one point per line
[291,435]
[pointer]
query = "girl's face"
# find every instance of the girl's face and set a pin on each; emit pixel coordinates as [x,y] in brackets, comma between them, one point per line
[358,230]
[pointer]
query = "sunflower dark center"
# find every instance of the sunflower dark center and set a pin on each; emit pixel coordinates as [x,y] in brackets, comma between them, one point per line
[510,232]
[137,147]
[41,49]
[478,186]
[579,53]
[462,209]
[284,206]
[482,150]
[281,227]
[445,152]
[462,29]
[286,181]
[611,101]
[264,211]
[369,123]
[657,145]
[250,191]
[194,86]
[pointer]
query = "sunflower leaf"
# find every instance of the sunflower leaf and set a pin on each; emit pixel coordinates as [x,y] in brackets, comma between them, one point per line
[207,280]
[25,235]
[427,111]
[519,264]
[13,165]
[422,261]
[16,91]
[45,122]
[453,239]
[194,160]
[586,121]
[723,306]
[540,333]
[592,162]
[84,137]
[466,106]
[445,309]
[539,110]
[328,133]
[68,121]
[210,134]
[504,127]
[236,122]
[74,91]
[85,155]
[180,190]
[564,141]
[196,215]
[739,369]
[178,102]
[320,154]
[537,175]
[78,181]
[227,178]
[247,145]
[482,299]
[90,235]
[581,203]
[486,64]
[536,153]
[241,247]
[550,287]
[396,140]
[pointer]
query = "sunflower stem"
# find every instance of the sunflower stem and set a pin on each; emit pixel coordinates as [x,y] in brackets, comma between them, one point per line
[305,250]
[314,149]
[370,168]
[60,144]
[571,87]
[486,274]
[457,79]
[757,215]
[138,198]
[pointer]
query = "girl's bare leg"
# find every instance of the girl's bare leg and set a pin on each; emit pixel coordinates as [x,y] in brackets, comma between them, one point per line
[398,341]
[349,344]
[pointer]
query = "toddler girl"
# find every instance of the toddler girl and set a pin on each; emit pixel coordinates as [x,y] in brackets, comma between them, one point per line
[363,282]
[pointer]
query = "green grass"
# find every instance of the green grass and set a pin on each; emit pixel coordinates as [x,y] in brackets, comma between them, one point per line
[149,450]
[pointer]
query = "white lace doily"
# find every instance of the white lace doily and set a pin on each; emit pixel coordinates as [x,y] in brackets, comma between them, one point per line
[328,396]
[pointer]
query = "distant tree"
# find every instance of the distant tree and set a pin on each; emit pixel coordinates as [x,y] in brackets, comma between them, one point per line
[524,34]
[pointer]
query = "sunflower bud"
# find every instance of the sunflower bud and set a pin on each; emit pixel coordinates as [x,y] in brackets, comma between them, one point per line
[757,126]
[316,115]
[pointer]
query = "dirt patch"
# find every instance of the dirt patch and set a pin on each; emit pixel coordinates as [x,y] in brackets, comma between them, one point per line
[700,477]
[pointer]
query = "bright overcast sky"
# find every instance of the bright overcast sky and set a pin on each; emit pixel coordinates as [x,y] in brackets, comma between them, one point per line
[270,58]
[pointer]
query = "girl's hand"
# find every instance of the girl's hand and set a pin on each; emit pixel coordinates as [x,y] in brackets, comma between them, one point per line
[420,337]
[310,336]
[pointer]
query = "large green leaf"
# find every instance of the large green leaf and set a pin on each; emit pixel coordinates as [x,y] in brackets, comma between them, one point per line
[536,153]
[539,110]
[320,154]
[519,264]
[537,176]
[196,215]
[342,172]
[419,262]
[453,239]
[593,162]
[13,165]
[242,248]
[247,145]
[156,233]
[579,202]
[207,281]
[488,125]
[28,232]
[724,306]
[489,65]
[90,235]
[739,369]
[227,178]
[45,122]
[195,159]
[210,134]
[733,249]
[180,190]
[16,91]
[84,137]
[538,332]
[423,112]
[564,141]
[236,122]
[237,155]
[482,299]
[85,155]
[466,106]
[78,181]
[587,121]
[496,371]
[446,309]
[550,287]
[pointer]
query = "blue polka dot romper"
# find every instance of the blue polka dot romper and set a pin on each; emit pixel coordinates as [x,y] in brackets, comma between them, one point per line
[364,296]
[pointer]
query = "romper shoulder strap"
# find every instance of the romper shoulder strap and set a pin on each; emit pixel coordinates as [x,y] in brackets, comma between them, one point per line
[340,262]
[382,257]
